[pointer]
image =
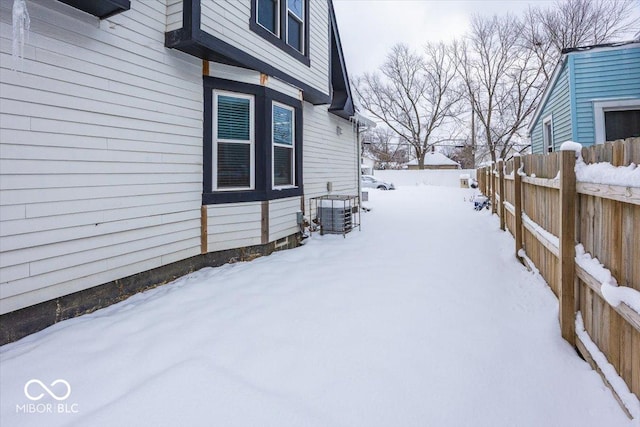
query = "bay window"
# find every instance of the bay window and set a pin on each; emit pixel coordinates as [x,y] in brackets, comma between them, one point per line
[252,143]
[233,141]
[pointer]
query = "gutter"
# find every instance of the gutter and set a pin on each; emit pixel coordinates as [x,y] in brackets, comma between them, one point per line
[360,122]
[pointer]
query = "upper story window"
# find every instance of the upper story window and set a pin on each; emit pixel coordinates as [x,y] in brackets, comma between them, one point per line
[268,15]
[295,24]
[284,23]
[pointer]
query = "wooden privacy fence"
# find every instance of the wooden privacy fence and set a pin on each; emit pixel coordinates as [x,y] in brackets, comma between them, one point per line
[540,202]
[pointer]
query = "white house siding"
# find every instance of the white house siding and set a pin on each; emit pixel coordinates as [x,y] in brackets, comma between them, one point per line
[174,14]
[234,225]
[282,218]
[100,154]
[328,157]
[229,21]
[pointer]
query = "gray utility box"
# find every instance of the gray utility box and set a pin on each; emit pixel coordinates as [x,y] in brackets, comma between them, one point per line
[336,214]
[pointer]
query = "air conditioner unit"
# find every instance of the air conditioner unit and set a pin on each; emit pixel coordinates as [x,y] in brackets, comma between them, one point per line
[336,214]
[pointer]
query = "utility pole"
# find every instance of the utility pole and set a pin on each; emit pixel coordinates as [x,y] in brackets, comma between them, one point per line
[473,137]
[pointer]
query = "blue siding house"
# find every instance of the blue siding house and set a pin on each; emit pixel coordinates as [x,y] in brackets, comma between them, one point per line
[592,97]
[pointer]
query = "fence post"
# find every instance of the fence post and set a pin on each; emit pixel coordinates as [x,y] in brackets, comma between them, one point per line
[492,178]
[501,191]
[487,188]
[517,203]
[567,244]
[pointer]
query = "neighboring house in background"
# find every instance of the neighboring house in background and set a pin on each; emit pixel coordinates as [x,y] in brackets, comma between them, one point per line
[367,165]
[434,160]
[152,138]
[592,97]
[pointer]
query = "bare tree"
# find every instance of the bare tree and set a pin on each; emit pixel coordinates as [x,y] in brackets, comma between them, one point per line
[379,145]
[411,95]
[503,80]
[464,155]
[575,23]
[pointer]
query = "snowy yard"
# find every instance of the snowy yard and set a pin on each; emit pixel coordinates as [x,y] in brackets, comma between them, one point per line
[423,318]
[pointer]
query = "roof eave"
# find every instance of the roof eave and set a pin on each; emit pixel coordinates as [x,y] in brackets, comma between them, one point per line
[342,99]
[547,91]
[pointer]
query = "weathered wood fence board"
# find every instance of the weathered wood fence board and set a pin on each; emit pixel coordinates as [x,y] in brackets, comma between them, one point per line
[548,213]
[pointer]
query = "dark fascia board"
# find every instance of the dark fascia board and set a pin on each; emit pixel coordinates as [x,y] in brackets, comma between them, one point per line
[597,46]
[342,100]
[101,8]
[194,41]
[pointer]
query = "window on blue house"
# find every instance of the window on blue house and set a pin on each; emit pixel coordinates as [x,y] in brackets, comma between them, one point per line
[621,124]
[547,134]
[616,119]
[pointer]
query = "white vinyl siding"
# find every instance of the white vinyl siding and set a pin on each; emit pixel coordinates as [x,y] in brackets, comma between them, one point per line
[328,157]
[100,154]
[234,225]
[237,225]
[174,14]
[283,218]
[229,21]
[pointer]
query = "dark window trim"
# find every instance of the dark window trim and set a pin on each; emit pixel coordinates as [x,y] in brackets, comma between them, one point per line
[341,97]
[263,99]
[281,41]
[102,9]
[193,41]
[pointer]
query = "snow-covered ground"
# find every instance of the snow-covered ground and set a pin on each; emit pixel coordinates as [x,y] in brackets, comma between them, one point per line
[423,318]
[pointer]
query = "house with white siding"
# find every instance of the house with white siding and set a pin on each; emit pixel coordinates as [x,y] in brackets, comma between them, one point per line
[592,97]
[141,140]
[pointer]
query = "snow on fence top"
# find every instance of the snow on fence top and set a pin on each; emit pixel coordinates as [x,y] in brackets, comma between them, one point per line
[603,172]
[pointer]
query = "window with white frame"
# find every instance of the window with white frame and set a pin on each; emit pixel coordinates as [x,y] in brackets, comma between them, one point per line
[268,15]
[295,24]
[616,119]
[233,141]
[283,138]
[284,23]
[547,134]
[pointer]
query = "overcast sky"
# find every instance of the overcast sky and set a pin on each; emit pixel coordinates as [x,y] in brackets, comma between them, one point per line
[369,28]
